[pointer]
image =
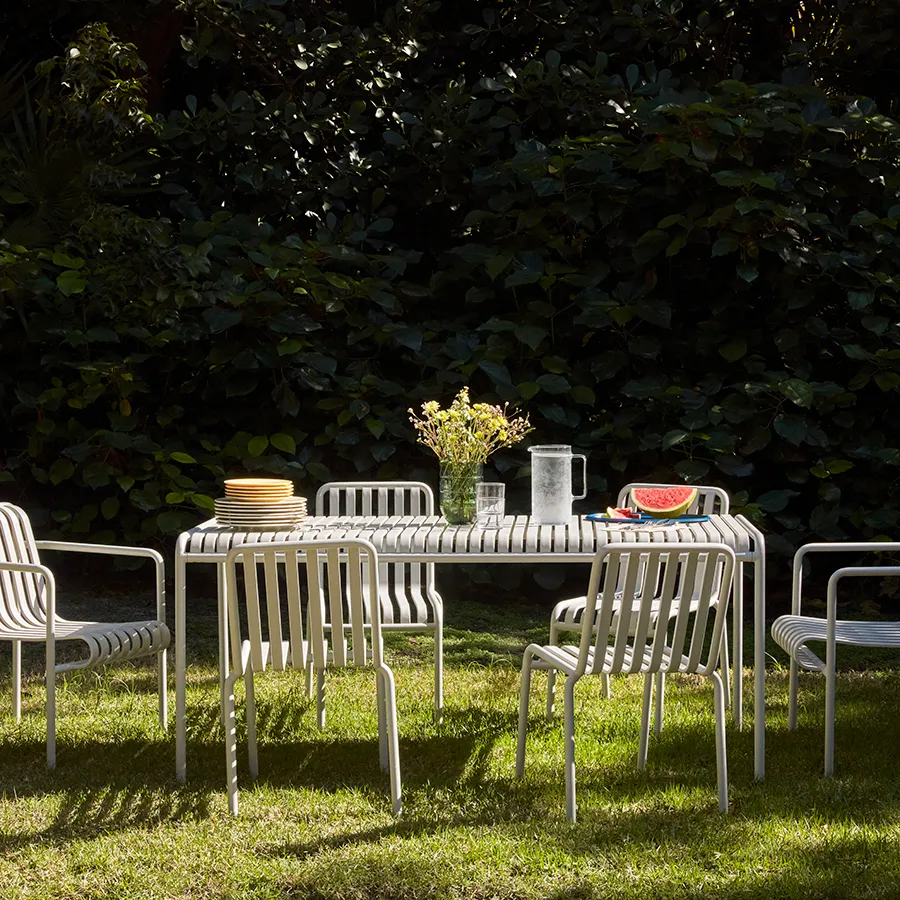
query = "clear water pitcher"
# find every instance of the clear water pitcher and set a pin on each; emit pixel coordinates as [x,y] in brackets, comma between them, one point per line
[551,483]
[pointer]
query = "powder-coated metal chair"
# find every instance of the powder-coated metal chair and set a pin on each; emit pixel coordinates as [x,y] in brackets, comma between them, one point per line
[334,586]
[567,614]
[631,588]
[794,632]
[409,600]
[28,615]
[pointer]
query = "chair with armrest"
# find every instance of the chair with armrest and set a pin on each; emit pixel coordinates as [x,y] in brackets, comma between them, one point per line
[794,632]
[28,615]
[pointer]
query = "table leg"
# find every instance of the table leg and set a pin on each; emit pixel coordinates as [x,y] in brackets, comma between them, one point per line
[737,662]
[759,659]
[223,637]
[180,671]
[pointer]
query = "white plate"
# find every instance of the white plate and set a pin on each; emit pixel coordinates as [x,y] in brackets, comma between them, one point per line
[266,517]
[260,520]
[287,503]
[289,526]
[254,498]
[274,499]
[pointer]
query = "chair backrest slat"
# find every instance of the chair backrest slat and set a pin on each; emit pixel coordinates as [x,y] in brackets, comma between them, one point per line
[686,578]
[630,594]
[357,605]
[602,612]
[668,602]
[316,600]
[22,594]
[644,624]
[297,649]
[273,608]
[655,608]
[335,606]
[254,617]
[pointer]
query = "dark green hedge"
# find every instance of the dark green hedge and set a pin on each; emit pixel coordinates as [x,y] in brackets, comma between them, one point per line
[671,242]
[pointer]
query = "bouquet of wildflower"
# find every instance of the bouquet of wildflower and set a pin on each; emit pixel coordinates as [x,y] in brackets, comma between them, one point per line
[467,433]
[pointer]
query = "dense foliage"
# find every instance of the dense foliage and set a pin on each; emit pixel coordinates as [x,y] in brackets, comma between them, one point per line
[667,231]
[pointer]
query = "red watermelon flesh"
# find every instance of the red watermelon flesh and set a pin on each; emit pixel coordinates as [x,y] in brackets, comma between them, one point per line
[664,502]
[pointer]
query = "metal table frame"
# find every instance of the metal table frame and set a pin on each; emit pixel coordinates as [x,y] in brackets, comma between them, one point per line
[431,540]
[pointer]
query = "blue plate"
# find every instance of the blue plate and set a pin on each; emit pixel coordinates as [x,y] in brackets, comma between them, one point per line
[647,520]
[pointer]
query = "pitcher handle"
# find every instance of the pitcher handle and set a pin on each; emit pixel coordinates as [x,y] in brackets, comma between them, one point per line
[583,459]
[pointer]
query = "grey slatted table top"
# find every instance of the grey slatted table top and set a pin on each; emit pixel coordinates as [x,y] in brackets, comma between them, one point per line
[430,538]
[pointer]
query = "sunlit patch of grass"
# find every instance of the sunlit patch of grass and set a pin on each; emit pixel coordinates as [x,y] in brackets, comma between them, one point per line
[111,821]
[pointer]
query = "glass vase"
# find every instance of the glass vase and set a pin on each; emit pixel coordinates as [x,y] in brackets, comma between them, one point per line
[457,492]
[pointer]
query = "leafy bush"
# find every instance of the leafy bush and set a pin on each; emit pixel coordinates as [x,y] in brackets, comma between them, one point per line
[671,241]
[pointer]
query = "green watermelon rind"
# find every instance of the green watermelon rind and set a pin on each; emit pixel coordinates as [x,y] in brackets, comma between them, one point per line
[659,502]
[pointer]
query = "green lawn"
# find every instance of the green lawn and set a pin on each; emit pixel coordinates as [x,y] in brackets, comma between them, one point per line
[112,822]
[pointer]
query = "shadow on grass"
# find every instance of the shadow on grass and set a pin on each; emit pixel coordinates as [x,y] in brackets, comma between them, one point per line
[127,783]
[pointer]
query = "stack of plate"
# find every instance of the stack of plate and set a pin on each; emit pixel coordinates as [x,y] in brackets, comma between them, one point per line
[259,490]
[253,503]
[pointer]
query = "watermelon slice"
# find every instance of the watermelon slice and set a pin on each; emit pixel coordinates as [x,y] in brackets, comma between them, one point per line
[664,502]
[614,512]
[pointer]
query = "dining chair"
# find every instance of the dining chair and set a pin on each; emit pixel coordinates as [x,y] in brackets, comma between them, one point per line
[337,582]
[567,614]
[28,614]
[795,632]
[409,600]
[631,589]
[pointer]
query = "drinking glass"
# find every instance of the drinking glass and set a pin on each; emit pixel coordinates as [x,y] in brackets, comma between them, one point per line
[490,503]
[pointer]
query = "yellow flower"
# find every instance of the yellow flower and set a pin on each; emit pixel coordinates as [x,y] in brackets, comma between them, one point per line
[467,433]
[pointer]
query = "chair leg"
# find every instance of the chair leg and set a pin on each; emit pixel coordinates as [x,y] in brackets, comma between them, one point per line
[737,672]
[320,697]
[230,744]
[438,667]
[17,679]
[50,679]
[830,684]
[551,675]
[569,727]
[793,689]
[162,687]
[645,720]
[721,754]
[309,678]
[222,595]
[384,753]
[659,710]
[387,690]
[604,684]
[726,670]
[524,696]
[252,750]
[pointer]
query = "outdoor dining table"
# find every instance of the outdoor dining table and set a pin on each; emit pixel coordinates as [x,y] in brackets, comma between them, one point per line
[430,539]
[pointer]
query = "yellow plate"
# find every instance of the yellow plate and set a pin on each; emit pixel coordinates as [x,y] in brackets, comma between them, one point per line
[271,492]
[240,483]
[288,503]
